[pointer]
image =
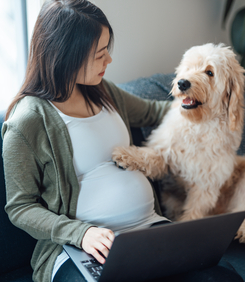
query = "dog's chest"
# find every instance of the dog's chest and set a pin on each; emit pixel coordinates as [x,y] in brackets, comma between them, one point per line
[192,149]
[192,140]
[179,135]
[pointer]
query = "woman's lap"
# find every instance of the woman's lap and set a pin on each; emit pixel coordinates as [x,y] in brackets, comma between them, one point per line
[68,272]
[220,273]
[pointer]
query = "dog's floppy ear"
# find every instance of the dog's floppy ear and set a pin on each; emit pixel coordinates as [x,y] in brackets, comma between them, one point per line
[236,96]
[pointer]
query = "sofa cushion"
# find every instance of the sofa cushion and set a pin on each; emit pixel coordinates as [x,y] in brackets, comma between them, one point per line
[23,274]
[16,246]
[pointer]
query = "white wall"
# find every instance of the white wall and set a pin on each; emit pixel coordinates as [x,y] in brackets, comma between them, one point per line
[152,35]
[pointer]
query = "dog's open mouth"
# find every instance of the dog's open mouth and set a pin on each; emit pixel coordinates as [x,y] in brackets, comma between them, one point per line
[190,103]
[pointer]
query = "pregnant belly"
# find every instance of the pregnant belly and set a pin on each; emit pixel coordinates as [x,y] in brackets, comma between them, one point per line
[114,198]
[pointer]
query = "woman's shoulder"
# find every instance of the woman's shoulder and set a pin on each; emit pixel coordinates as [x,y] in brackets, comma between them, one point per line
[27,109]
[112,89]
[29,115]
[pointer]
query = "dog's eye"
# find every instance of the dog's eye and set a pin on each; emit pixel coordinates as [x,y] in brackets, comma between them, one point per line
[209,73]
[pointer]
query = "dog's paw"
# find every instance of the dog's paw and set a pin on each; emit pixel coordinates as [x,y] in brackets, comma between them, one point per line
[185,218]
[241,233]
[127,158]
[190,216]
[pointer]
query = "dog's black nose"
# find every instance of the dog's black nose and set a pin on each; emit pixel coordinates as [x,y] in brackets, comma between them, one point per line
[184,84]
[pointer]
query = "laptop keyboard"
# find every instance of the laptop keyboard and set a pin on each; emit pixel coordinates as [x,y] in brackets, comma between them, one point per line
[94,267]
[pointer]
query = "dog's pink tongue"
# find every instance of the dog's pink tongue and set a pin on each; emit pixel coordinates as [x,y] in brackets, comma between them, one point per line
[187,101]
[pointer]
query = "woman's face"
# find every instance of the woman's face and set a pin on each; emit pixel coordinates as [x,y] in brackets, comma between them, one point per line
[96,64]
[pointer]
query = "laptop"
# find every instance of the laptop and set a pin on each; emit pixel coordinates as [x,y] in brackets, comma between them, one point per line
[162,250]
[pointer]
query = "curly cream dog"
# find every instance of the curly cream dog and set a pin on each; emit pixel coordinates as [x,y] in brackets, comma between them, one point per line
[198,138]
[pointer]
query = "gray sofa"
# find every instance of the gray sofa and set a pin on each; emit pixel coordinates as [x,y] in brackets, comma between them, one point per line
[16,246]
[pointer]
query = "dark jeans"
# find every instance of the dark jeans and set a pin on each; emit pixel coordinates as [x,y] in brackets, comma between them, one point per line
[221,273]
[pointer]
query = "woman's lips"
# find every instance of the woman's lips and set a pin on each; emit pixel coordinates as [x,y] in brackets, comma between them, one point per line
[102,73]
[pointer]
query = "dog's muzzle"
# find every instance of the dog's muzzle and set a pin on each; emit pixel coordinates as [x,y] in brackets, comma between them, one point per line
[188,103]
[184,84]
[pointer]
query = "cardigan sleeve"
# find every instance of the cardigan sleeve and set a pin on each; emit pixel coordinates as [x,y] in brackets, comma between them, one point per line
[23,176]
[145,112]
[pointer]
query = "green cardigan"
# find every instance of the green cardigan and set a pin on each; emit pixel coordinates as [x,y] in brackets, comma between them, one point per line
[42,187]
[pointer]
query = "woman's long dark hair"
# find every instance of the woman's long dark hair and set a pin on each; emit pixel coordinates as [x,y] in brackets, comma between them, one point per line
[64,34]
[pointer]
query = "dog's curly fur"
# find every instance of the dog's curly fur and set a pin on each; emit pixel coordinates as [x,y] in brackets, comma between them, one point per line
[198,138]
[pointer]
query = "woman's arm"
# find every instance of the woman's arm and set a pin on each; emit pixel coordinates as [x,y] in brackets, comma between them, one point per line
[23,175]
[145,112]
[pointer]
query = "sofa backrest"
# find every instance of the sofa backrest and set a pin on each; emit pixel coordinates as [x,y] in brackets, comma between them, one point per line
[16,246]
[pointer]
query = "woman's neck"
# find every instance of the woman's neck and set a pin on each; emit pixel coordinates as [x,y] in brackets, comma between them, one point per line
[76,105]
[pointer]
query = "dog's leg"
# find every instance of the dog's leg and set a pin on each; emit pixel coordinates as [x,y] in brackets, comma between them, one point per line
[237,202]
[144,159]
[198,203]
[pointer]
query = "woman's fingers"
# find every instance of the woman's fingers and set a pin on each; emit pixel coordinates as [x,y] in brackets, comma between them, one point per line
[96,254]
[108,238]
[110,235]
[101,251]
[97,242]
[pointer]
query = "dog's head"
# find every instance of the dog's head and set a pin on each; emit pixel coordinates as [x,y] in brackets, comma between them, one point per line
[210,83]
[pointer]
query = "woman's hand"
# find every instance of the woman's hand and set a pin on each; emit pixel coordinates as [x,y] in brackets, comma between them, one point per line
[98,240]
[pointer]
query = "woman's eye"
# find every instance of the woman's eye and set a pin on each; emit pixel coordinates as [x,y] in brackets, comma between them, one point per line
[101,57]
[209,73]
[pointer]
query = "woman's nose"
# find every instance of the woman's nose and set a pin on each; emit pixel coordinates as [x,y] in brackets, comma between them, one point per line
[108,59]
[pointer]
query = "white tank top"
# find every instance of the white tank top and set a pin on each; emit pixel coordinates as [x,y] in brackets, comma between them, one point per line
[109,197]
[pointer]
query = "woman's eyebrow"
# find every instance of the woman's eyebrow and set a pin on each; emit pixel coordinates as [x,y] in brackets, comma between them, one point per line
[102,49]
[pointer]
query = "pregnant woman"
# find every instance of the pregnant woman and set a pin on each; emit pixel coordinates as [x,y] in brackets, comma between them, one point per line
[58,138]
